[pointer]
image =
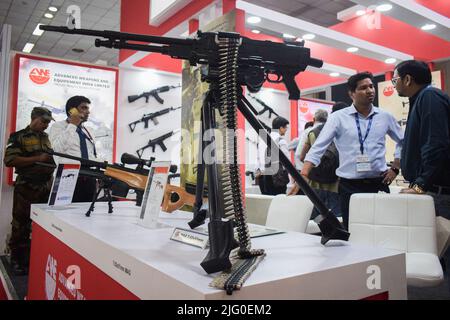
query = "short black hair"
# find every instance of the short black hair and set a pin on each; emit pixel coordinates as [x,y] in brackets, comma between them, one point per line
[75,101]
[352,82]
[309,124]
[418,70]
[338,106]
[279,122]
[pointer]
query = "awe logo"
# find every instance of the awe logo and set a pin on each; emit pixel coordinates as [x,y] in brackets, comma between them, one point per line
[40,76]
[388,91]
[50,277]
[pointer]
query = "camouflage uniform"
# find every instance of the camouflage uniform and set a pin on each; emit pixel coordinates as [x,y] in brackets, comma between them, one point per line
[33,184]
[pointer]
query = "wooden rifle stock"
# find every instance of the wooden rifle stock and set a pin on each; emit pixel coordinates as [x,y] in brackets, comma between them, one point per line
[184,198]
[134,180]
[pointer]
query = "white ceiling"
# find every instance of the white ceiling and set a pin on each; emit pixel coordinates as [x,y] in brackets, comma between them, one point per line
[24,15]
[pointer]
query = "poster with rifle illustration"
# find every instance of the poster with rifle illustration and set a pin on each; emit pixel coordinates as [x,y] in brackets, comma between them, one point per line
[43,82]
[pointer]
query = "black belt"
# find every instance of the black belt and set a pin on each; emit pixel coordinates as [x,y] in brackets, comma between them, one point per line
[363,181]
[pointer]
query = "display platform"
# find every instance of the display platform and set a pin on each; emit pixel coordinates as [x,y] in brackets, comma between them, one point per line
[110,256]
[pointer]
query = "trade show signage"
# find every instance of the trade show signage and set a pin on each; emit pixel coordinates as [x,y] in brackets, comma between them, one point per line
[154,193]
[306,110]
[53,265]
[64,184]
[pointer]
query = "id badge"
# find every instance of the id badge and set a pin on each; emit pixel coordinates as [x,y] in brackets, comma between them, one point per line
[362,163]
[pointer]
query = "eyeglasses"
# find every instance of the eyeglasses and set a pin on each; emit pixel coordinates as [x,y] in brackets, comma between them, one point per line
[395,80]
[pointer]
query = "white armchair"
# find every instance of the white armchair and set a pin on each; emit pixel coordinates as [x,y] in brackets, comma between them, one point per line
[289,213]
[257,206]
[406,223]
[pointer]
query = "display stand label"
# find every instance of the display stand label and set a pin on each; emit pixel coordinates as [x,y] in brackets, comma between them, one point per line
[193,238]
[154,193]
[64,184]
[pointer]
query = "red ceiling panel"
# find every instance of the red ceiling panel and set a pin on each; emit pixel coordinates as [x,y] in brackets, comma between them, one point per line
[440,6]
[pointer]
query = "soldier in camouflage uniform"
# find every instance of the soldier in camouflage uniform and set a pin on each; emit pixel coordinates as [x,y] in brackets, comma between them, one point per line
[33,182]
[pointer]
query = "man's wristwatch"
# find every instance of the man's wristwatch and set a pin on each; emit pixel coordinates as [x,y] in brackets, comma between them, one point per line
[418,189]
[396,170]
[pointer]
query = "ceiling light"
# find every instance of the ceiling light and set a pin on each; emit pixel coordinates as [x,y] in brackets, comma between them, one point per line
[253,19]
[309,36]
[48,15]
[352,49]
[360,12]
[390,60]
[53,9]
[28,47]
[384,7]
[37,31]
[335,74]
[428,27]
[256,31]
[288,36]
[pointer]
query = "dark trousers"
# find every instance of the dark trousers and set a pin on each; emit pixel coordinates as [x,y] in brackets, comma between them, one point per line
[270,188]
[347,187]
[24,196]
[85,189]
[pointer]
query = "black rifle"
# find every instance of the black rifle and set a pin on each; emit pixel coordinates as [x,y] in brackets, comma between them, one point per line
[152,143]
[231,61]
[150,116]
[265,107]
[114,178]
[152,93]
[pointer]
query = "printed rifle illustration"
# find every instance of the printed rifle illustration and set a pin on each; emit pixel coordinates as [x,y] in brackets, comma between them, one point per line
[159,141]
[152,93]
[265,107]
[150,116]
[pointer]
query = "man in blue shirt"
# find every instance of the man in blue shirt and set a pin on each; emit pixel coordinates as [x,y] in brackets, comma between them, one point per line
[359,133]
[426,150]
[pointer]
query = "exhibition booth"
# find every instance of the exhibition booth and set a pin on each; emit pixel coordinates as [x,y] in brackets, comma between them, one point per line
[154,107]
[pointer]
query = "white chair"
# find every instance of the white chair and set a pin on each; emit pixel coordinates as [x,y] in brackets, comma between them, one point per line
[289,213]
[256,207]
[401,222]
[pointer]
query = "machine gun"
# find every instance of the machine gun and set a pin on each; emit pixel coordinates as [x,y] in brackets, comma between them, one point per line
[159,141]
[150,116]
[265,107]
[152,93]
[231,61]
[114,178]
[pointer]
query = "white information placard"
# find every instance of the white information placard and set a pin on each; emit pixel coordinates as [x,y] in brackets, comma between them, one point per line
[154,193]
[64,184]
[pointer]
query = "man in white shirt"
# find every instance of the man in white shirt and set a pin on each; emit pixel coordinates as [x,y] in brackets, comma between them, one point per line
[71,137]
[359,133]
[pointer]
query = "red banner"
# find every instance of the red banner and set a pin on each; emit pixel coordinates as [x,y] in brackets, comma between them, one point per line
[59,273]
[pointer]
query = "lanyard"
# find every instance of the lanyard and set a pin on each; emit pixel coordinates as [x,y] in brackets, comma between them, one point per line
[89,138]
[361,140]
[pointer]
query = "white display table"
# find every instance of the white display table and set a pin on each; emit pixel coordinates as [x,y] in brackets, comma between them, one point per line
[115,258]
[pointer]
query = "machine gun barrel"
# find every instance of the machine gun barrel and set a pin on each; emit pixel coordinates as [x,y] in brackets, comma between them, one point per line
[258,58]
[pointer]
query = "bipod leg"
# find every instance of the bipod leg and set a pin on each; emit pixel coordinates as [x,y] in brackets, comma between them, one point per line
[91,207]
[199,213]
[109,197]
